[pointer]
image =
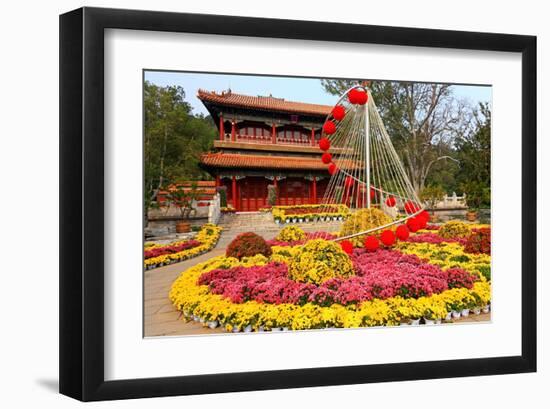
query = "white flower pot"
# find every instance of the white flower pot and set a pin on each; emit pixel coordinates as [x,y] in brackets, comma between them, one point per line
[277,221]
[300,220]
[449,316]
[428,322]
[477,311]
[465,312]
[235,329]
[437,322]
[285,329]
[294,220]
[248,328]
[196,318]
[287,221]
[415,322]
[456,314]
[212,324]
[261,328]
[486,309]
[276,329]
[339,217]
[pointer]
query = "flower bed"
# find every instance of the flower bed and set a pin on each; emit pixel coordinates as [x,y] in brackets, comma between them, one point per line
[160,255]
[157,251]
[305,213]
[388,287]
[449,255]
[308,236]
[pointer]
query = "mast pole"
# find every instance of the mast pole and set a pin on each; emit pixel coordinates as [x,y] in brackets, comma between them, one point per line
[367,150]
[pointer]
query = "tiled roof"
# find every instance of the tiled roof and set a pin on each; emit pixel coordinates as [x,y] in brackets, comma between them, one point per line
[270,103]
[233,160]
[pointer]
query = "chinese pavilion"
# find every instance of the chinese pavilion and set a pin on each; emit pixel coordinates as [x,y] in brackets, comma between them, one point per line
[266,140]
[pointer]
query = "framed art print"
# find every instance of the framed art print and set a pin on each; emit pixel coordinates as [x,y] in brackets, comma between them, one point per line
[253,204]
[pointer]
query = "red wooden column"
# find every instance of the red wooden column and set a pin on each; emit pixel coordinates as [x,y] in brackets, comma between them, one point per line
[312,137]
[314,182]
[233,134]
[234,192]
[273,140]
[276,190]
[218,181]
[222,130]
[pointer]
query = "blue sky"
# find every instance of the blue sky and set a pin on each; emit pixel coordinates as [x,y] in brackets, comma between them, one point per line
[289,88]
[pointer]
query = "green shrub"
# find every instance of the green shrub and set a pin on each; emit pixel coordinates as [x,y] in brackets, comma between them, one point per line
[247,245]
[222,191]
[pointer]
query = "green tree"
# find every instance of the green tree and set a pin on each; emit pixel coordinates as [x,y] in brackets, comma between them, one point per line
[432,195]
[174,138]
[422,120]
[474,149]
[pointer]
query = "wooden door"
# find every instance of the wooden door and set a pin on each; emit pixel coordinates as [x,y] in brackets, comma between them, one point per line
[294,191]
[253,193]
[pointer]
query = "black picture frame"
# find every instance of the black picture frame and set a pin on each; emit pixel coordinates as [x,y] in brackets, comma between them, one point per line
[82,200]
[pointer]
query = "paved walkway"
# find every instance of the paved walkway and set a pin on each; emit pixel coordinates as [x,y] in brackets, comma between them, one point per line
[160,316]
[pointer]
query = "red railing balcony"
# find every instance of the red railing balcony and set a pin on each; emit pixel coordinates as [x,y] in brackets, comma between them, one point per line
[263,139]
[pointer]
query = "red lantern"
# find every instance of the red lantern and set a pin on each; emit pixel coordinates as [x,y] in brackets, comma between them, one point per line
[332,169]
[329,127]
[349,181]
[390,201]
[324,144]
[388,238]
[372,243]
[424,217]
[326,158]
[410,207]
[352,96]
[413,224]
[361,97]
[402,232]
[422,221]
[372,193]
[347,246]
[338,112]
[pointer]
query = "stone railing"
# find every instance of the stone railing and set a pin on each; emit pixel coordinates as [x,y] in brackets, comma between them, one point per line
[452,202]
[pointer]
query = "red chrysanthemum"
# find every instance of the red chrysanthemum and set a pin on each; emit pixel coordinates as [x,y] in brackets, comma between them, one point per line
[332,169]
[347,246]
[402,232]
[326,158]
[388,238]
[338,112]
[372,243]
[329,127]
[390,201]
[324,144]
